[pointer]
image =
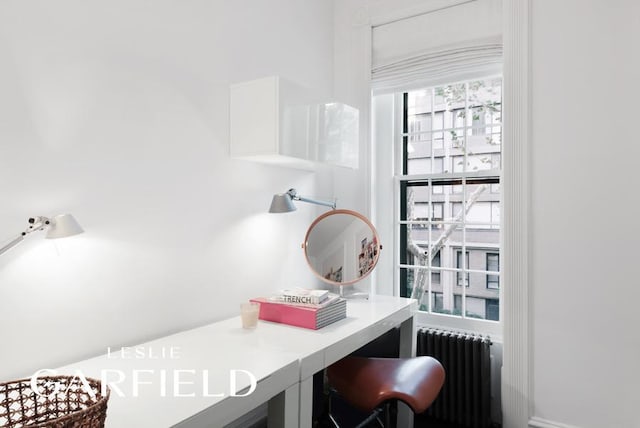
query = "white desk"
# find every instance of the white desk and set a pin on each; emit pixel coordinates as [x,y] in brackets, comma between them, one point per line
[366,320]
[283,358]
[216,348]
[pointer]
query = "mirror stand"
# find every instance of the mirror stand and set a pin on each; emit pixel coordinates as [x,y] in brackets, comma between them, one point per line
[353,295]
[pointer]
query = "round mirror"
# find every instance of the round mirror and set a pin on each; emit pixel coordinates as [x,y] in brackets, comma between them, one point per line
[342,247]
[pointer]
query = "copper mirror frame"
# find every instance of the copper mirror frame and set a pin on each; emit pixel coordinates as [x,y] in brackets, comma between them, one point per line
[369,250]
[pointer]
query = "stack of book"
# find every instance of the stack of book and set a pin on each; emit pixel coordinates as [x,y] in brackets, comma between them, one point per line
[312,309]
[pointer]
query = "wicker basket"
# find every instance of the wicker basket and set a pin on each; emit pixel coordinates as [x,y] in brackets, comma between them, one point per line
[62,402]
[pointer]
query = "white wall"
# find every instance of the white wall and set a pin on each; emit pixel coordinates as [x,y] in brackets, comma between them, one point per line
[118,113]
[585,212]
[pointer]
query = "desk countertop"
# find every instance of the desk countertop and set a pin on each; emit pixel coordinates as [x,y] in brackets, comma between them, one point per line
[171,389]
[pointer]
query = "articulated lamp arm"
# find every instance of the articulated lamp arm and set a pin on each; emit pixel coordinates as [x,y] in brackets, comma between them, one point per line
[283,202]
[59,227]
[294,195]
[35,223]
[12,244]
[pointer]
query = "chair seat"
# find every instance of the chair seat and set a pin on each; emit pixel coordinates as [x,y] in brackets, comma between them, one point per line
[366,383]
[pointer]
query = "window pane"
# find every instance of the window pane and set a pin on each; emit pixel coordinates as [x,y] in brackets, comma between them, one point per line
[417,248]
[419,144]
[438,165]
[425,164]
[493,262]
[419,166]
[475,307]
[454,130]
[458,116]
[436,302]
[493,265]
[492,311]
[407,277]
[437,202]
[413,276]
[450,97]
[456,209]
[482,308]
[417,203]
[445,304]
[495,213]
[419,102]
[483,215]
[437,211]
[457,304]
[418,148]
[450,302]
[457,163]
[425,155]
[438,121]
[481,162]
[433,131]
[486,95]
[463,275]
[448,235]
[417,244]
[477,121]
[435,273]
[419,124]
[479,212]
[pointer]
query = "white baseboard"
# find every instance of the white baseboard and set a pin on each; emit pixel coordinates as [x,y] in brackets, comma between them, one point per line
[537,422]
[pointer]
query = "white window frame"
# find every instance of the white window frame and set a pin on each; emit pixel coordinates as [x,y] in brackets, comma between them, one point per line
[490,327]
[517,307]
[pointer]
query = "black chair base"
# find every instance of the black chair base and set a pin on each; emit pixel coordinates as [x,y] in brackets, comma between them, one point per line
[375,419]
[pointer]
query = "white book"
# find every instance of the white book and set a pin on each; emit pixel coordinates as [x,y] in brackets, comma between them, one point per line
[304,296]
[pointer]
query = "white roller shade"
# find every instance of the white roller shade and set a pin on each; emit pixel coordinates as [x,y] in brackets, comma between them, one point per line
[454,43]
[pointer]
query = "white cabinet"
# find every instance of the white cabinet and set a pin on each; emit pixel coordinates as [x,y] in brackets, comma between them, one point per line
[276,121]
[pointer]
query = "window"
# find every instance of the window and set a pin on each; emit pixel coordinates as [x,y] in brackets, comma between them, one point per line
[462,268]
[492,309]
[457,304]
[435,274]
[436,304]
[493,265]
[477,121]
[437,211]
[449,191]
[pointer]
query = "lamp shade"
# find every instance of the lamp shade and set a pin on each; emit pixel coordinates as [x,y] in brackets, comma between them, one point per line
[63,225]
[282,203]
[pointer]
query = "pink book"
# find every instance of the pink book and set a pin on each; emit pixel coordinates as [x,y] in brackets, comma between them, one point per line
[301,316]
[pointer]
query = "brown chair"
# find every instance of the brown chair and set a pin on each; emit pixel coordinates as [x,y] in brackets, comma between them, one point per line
[372,384]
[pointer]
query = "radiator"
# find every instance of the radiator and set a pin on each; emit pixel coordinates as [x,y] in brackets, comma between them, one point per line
[465,398]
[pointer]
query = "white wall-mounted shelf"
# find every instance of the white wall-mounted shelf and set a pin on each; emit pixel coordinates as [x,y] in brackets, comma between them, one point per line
[276,121]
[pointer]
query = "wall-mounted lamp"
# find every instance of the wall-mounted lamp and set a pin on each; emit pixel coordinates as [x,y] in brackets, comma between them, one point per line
[60,226]
[283,202]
